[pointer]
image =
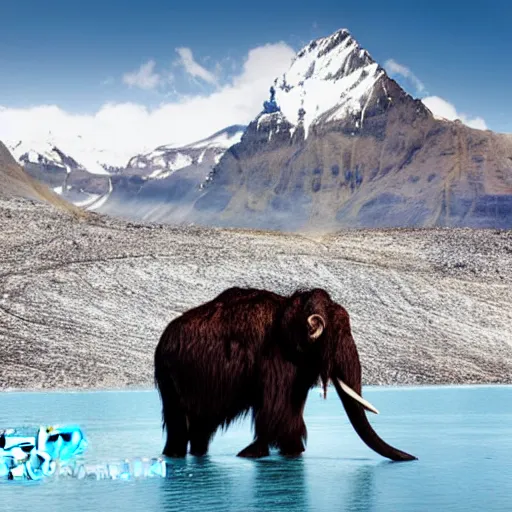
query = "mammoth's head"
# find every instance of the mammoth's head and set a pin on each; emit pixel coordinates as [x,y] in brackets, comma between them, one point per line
[319,330]
[313,324]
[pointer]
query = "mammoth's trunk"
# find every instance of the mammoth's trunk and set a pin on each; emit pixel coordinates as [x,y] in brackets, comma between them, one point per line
[349,391]
[359,421]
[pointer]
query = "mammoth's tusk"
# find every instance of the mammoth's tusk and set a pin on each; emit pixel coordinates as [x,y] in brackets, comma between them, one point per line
[351,393]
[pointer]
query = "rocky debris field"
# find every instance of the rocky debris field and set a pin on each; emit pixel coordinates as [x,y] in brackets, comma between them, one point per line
[84,301]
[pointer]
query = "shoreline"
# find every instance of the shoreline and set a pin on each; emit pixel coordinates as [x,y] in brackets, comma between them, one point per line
[372,388]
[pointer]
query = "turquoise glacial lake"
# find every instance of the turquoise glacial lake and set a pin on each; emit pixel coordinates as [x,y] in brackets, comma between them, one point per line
[461,435]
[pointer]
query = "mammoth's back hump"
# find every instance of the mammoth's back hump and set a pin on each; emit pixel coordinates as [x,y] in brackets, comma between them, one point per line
[211,351]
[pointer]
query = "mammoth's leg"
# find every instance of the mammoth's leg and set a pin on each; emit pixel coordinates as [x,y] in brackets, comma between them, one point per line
[177,434]
[278,412]
[200,432]
[290,441]
[291,434]
[285,431]
[258,448]
[291,447]
[176,425]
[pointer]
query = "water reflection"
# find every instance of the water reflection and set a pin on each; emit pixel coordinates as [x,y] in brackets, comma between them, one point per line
[361,489]
[349,483]
[274,483]
[280,484]
[199,483]
[229,484]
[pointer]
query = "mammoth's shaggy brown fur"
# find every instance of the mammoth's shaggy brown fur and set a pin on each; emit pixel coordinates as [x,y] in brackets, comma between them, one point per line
[250,350]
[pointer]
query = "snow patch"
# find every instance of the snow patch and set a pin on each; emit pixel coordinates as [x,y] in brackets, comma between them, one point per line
[181,160]
[89,162]
[87,202]
[103,199]
[37,151]
[327,77]
[155,174]
[169,167]
[160,161]
[222,141]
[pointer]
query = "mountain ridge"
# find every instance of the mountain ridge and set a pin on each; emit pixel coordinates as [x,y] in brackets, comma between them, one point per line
[15,182]
[376,158]
[162,185]
[128,187]
[339,144]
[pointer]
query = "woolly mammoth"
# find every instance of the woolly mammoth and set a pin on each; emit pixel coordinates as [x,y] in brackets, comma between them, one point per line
[255,351]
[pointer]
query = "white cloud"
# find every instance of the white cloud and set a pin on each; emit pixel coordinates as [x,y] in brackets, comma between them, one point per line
[443,109]
[144,78]
[394,68]
[119,131]
[438,106]
[193,68]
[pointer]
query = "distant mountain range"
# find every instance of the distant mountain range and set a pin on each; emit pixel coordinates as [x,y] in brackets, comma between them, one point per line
[339,144]
[163,185]
[16,182]
[150,184]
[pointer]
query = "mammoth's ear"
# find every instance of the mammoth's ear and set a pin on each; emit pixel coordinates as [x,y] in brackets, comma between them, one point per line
[316,326]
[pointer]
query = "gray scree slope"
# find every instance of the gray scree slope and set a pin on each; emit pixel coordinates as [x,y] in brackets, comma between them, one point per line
[83,302]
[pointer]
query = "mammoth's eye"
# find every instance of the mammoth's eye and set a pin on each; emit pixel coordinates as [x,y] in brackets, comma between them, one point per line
[316,325]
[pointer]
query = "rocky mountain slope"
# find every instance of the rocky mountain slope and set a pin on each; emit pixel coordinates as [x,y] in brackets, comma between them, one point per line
[162,185]
[165,160]
[78,177]
[82,304]
[47,155]
[347,147]
[154,186]
[84,297]
[16,182]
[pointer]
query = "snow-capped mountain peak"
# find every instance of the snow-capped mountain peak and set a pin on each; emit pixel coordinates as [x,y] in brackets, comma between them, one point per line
[330,78]
[40,152]
[165,160]
[223,139]
[47,153]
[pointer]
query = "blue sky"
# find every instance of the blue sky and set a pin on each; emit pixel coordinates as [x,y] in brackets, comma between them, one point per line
[75,54]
